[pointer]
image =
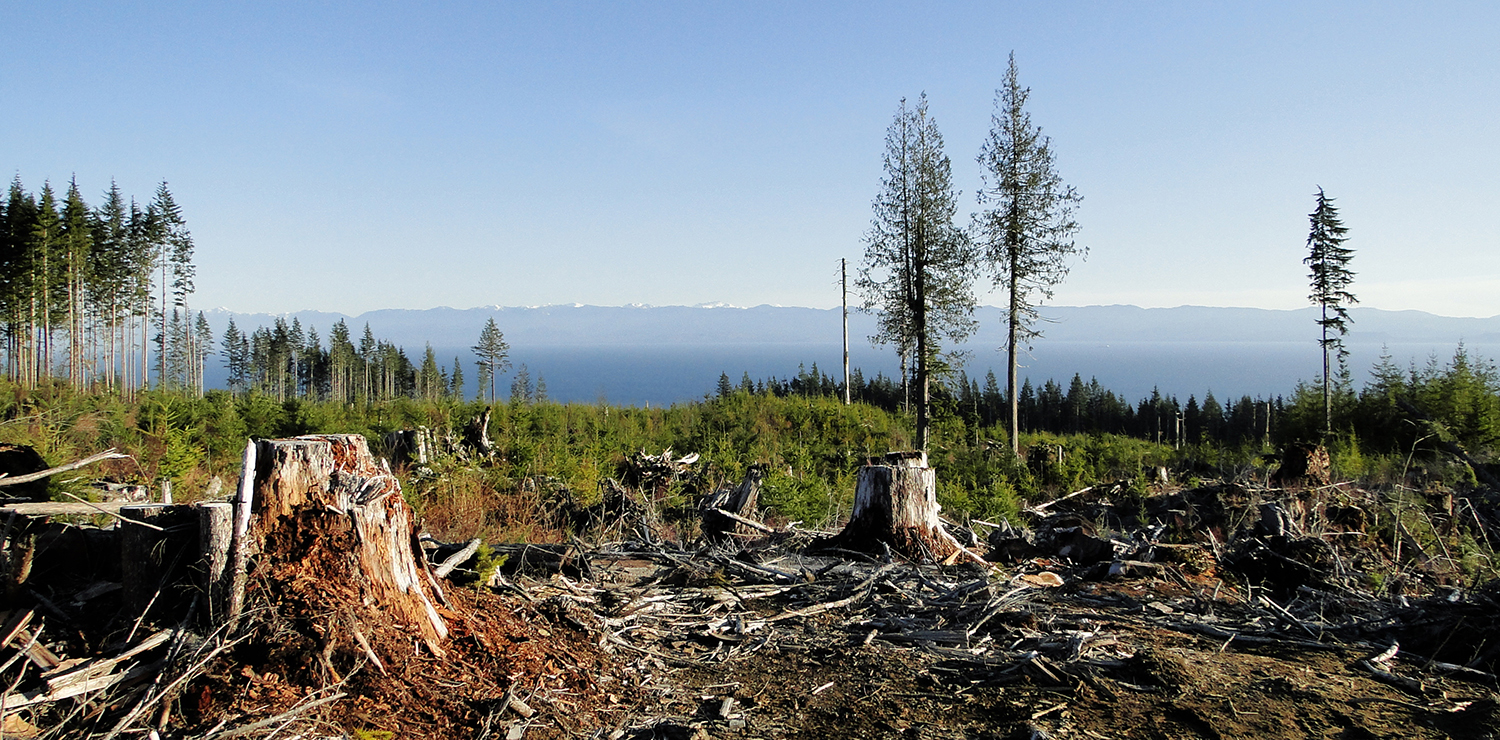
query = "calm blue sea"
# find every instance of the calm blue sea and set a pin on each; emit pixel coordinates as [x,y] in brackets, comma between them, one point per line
[665,374]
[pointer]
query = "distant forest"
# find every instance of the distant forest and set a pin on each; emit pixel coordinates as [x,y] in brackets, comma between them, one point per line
[1084,408]
[1460,400]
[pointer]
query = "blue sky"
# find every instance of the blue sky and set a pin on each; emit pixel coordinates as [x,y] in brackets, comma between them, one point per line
[353,156]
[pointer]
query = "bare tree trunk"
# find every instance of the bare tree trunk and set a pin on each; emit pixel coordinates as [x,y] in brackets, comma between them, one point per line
[844,281]
[1010,373]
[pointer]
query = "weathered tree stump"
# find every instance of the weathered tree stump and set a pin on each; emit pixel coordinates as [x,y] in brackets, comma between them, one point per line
[409,446]
[215,534]
[723,510]
[896,503]
[477,435]
[1303,464]
[323,508]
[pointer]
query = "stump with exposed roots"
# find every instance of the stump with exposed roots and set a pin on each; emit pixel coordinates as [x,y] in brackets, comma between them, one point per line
[895,504]
[322,511]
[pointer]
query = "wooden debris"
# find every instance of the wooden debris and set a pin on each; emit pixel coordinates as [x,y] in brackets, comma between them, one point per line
[15,480]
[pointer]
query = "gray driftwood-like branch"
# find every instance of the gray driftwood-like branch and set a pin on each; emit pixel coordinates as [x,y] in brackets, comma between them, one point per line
[109,454]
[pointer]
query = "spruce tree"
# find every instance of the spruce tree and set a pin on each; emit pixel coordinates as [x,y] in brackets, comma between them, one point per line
[917,271]
[456,381]
[1328,260]
[494,355]
[1027,224]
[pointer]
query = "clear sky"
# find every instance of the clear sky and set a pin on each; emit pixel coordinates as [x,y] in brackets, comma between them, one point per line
[363,155]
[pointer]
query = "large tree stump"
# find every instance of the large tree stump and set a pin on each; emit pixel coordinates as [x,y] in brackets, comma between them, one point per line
[322,507]
[895,503]
[1304,464]
[477,435]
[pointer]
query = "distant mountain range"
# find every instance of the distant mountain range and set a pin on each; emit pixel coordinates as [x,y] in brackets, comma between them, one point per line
[664,354]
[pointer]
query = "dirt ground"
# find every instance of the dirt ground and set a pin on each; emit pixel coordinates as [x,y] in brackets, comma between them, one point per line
[1163,683]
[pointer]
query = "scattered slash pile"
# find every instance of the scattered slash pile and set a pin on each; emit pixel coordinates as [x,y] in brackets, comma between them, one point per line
[302,606]
[1223,610]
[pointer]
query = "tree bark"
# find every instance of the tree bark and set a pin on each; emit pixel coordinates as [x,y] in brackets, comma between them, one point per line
[215,533]
[896,504]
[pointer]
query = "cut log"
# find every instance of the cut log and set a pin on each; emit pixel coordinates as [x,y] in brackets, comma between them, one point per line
[895,503]
[725,510]
[322,506]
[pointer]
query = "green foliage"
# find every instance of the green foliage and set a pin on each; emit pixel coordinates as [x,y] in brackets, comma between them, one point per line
[486,563]
[1460,400]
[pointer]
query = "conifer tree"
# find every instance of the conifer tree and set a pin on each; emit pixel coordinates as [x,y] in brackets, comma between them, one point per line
[235,360]
[1328,259]
[46,238]
[456,381]
[203,346]
[76,236]
[1027,224]
[494,355]
[522,390]
[916,275]
[341,357]
[368,348]
[430,383]
[109,280]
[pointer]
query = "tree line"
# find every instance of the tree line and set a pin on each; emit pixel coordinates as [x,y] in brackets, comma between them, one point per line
[286,360]
[88,293]
[1081,408]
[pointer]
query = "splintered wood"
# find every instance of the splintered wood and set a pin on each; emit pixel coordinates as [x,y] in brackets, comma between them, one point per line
[331,483]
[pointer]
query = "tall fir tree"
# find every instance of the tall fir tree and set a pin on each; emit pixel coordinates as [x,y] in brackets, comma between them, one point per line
[1328,259]
[917,271]
[494,356]
[1027,224]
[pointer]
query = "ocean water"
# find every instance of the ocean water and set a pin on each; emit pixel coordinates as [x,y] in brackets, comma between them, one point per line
[663,374]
